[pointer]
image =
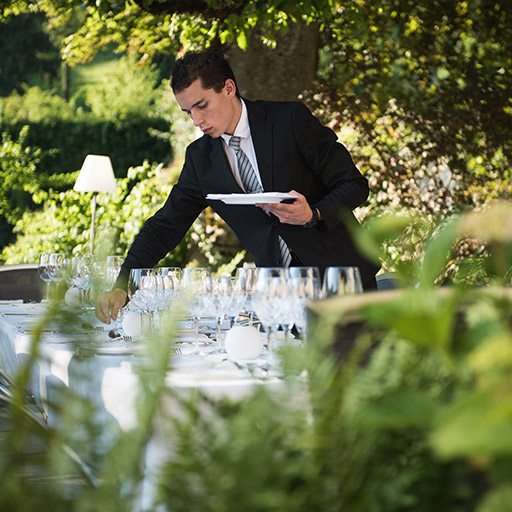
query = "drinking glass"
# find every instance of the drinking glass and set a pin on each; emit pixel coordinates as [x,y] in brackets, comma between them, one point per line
[56,267]
[341,281]
[43,270]
[193,288]
[304,287]
[171,281]
[80,275]
[143,289]
[247,277]
[271,291]
[218,298]
[238,299]
[113,267]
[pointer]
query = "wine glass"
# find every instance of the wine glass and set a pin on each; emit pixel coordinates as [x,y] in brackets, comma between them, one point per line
[304,287]
[218,298]
[271,291]
[238,299]
[144,287]
[43,270]
[170,282]
[341,281]
[80,275]
[113,267]
[193,287]
[247,277]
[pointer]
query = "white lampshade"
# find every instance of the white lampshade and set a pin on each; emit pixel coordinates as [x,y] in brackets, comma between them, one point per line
[96,175]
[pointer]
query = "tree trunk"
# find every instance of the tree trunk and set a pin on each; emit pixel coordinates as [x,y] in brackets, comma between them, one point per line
[279,74]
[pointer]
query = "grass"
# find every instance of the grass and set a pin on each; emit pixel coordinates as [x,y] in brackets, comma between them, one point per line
[103,64]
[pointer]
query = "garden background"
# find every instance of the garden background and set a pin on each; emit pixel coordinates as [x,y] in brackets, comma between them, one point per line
[418,92]
[419,416]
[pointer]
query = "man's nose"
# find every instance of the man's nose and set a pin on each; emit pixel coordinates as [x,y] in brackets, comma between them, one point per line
[197,119]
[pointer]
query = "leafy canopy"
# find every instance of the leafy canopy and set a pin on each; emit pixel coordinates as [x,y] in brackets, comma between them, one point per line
[149,27]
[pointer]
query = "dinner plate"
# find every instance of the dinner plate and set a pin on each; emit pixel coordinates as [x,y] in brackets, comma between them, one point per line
[258,197]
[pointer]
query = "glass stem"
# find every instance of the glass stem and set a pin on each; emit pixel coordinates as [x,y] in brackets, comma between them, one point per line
[218,332]
[196,337]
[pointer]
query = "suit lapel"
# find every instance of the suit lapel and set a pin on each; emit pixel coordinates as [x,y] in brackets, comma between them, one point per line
[221,165]
[261,133]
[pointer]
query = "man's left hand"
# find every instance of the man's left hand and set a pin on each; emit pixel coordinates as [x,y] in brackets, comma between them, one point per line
[298,213]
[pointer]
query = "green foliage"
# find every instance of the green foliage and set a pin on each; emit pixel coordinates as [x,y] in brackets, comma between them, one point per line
[155,27]
[64,222]
[129,92]
[415,417]
[26,50]
[18,164]
[126,116]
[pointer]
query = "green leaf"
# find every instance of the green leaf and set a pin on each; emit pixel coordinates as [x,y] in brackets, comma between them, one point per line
[398,410]
[478,424]
[437,252]
[241,40]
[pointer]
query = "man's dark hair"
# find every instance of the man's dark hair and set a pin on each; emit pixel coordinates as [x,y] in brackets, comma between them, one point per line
[208,65]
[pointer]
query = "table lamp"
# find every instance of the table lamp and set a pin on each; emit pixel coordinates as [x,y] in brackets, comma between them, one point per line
[96,175]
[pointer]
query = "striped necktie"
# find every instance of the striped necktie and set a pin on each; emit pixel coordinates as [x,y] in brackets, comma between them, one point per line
[251,185]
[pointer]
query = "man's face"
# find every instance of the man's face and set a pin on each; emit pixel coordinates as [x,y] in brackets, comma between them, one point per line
[213,112]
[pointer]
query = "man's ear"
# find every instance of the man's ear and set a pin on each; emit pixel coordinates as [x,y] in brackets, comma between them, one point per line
[230,87]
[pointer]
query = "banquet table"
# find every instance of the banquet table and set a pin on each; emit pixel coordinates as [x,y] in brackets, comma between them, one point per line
[106,376]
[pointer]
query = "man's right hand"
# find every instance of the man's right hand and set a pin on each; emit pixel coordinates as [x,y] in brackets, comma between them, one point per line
[108,304]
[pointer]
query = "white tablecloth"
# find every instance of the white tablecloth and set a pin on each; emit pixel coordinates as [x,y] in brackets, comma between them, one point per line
[106,376]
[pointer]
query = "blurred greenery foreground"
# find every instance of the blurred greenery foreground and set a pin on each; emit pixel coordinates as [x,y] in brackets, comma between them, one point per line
[399,400]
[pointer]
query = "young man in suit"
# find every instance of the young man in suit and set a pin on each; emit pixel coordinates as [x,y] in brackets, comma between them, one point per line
[284,148]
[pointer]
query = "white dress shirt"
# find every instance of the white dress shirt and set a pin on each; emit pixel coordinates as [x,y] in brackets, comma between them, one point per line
[243,131]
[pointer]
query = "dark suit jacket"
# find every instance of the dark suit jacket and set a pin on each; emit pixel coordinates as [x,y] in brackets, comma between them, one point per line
[294,151]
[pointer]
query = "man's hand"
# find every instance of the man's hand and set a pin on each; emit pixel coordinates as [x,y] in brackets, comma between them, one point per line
[298,213]
[108,304]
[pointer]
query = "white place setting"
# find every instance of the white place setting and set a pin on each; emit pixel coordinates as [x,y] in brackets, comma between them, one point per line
[222,336]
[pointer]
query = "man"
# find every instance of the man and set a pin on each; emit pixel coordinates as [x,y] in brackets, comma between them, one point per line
[278,147]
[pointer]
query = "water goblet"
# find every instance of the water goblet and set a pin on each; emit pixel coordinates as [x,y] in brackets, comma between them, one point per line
[80,276]
[112,271]
[247,277]
[238,299]
[341,281]
[171,282]
[43,270]
[304,287]
[194,286]
[144,287]
[271,291]
[218,298]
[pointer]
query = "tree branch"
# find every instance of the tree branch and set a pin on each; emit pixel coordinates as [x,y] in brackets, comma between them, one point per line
[220,11]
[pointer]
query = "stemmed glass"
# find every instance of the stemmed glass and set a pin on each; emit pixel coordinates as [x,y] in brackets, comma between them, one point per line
[247,277]
[194,287]
[43,269]
[341,281]
[238,299]
[271,291]
[80,276]
[170,281]
[56,267]
[144,287]
[218,298]
[304,286]
[113,267]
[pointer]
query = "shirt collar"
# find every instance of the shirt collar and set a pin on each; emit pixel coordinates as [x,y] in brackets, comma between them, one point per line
[242,129]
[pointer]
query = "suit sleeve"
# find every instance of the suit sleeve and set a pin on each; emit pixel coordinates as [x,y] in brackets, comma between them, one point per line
[332,163]
[163,231]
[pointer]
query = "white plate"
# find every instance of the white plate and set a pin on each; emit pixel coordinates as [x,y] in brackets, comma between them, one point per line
[259,197]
